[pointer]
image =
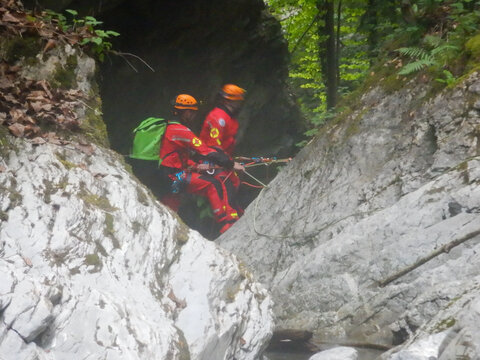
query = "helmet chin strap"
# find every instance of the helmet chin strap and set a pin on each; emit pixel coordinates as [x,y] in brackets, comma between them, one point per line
[231,107]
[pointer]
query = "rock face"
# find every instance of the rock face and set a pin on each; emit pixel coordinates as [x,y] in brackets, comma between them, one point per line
[376,192]
[92,264]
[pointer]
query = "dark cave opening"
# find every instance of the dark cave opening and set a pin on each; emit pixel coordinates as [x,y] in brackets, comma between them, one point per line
[195,47]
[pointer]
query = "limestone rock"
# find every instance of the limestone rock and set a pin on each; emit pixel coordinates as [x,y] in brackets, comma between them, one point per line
[91,263]
[424,349]
[342,352]
[374,194]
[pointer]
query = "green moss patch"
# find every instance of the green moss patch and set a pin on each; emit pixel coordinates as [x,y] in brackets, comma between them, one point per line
[63,160]
[92,259]
[96,201]
[15,48]
[64,76]
[473,46]
[444,324]
[93,125]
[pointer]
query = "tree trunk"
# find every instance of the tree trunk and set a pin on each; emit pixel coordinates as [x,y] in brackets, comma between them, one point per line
[372,23]
[337,45]
[327,50]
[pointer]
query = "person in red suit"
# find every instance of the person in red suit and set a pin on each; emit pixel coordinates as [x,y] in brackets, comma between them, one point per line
[178,146]
[219,131]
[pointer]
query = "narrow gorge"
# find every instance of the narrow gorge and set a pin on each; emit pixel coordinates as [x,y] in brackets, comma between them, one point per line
[368,238]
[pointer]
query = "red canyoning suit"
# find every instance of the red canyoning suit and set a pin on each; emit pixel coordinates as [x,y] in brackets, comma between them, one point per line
[178,144]
[219,131]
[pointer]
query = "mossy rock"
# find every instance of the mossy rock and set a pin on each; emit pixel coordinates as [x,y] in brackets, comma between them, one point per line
[93,260]
[93,125]
[473,46]
[6,145]
[65,76]
[16,48]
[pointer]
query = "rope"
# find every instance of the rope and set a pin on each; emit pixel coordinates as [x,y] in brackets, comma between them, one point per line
[251,185]
[254,178]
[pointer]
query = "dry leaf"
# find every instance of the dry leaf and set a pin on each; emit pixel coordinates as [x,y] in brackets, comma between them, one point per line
[45,32]
[50,45]
[16,114]
[73,39]
[5,83]
[36,106]
[29,120]
[2,168]
[38,141]
[32,130]
[17,129]
[44,85]
[52,138]
[37,94]
[14,68]
[8,17]
[10,99]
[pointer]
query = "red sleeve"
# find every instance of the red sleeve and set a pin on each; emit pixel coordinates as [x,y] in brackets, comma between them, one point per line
[183,137]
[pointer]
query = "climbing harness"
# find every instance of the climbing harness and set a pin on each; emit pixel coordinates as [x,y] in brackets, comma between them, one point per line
[179,183]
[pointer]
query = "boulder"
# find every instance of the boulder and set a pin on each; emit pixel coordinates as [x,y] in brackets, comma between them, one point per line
[337,353]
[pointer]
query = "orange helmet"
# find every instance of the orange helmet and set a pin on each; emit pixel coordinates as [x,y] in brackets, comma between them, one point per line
[184,101]
[233,92]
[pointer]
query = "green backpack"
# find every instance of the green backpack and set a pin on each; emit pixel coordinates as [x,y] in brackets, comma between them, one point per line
[148,139]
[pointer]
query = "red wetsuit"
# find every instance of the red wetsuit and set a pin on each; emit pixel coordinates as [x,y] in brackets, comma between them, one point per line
[178,144]
[219,131]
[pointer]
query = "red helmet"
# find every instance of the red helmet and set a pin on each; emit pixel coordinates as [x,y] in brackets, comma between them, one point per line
[233,92]
[184,101]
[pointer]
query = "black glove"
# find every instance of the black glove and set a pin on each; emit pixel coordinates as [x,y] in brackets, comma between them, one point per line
[220,159]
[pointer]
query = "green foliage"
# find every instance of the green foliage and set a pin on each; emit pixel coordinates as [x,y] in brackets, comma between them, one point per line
[448,79]
[204,208]
[86,27]
[300,21]
[100,45]
[437,53]
[417,35]
[473,46]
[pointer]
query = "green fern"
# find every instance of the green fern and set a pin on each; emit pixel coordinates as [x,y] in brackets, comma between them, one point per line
[445,51]
[413,52]
[439,54]
[417,66]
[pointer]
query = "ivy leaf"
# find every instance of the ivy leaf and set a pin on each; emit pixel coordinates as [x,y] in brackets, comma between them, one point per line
[97,40]
[72,12]
[112,33]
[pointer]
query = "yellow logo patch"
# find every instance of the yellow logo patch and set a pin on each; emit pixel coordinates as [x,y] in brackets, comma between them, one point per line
[214,133]
[196,142]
